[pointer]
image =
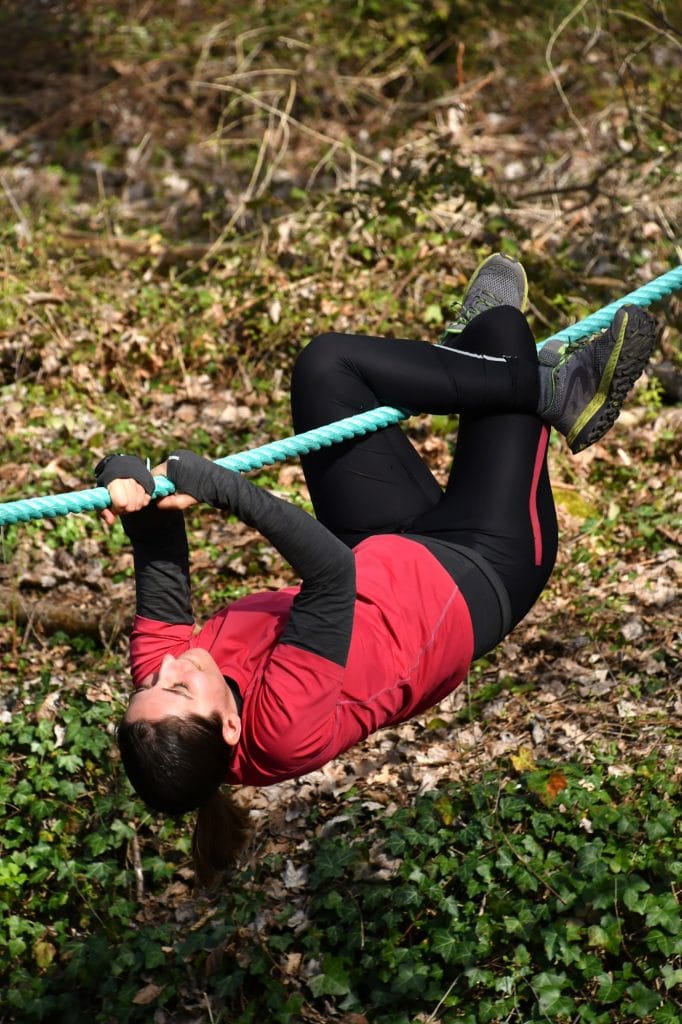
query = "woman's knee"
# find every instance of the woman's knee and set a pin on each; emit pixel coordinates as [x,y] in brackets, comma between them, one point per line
[500,331]
[316,360]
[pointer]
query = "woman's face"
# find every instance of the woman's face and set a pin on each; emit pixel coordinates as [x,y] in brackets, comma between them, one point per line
[191,684]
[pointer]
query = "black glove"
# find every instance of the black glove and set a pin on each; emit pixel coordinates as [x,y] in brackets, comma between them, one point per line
[124,467]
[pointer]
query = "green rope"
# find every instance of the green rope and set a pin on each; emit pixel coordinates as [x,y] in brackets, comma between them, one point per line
[644,296]
[97,498]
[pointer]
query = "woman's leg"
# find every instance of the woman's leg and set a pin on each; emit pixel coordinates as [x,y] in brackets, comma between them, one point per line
[371,483]
[498,500]
[379,483]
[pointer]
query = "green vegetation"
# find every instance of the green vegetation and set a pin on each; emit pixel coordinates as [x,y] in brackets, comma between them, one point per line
[549,893]
[189,192]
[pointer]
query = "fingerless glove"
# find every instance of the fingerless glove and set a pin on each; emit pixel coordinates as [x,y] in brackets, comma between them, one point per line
[124,467]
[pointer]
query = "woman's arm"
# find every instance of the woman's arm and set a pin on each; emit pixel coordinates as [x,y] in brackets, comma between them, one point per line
[159,540]
[321,618]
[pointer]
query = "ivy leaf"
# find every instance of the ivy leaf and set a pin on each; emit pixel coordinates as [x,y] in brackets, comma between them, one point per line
[609,990]
[433,314]
[43,953]
[671,977]
[590,859]
[643,999]
[548,989]
[334,980]
[631,894]
[605,935]
[445,945]
[663,910]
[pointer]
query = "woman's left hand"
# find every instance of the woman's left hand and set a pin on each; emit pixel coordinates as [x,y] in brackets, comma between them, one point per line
[173,502]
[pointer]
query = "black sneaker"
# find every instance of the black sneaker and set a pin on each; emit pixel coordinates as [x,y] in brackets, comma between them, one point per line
[583,384]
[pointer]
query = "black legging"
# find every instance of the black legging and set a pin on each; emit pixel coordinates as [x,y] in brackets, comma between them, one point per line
[498,500]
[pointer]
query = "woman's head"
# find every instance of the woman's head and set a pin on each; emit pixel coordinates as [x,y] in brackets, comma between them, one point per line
[178,734]
[186,686]
[175,764]
[176,741]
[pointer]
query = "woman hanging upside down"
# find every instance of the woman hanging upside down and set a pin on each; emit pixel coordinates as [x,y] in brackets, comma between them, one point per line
[403,584]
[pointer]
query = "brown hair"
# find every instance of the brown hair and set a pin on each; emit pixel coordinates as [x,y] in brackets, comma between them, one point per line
[178,765]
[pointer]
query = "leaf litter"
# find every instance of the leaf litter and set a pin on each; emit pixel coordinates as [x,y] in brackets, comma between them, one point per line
[594,667]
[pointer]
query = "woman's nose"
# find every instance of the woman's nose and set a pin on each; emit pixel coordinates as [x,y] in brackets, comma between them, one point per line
[166,666]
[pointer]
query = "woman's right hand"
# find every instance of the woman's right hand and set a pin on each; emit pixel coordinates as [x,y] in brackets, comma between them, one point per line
[126,496]
[128,481]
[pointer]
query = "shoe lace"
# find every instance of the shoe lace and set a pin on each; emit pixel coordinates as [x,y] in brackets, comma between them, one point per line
[463,314]
[575,345]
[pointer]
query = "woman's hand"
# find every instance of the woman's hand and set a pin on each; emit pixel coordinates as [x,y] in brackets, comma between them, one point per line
[126,496]
[175,501]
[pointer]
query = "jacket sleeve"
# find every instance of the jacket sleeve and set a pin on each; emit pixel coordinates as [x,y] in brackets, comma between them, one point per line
[321,618]
[164,620]
[159,541]
[161,560]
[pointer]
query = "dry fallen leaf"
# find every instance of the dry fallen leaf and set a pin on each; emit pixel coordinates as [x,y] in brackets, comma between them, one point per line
[524,761]
[555,783]
[147,994]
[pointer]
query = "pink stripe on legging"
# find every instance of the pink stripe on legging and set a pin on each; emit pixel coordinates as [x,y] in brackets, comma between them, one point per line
[533,502]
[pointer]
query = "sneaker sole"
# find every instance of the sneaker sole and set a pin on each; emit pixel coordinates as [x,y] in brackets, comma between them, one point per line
[629,357]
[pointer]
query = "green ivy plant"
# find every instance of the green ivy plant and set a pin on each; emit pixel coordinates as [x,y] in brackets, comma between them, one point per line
[550,893]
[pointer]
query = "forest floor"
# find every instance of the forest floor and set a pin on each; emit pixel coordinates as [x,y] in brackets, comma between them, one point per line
[187,200]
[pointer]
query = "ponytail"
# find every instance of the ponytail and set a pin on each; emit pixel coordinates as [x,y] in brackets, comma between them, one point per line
[220,834]
[178,765]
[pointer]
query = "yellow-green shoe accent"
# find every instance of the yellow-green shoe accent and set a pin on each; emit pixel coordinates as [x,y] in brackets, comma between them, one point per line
[583,384]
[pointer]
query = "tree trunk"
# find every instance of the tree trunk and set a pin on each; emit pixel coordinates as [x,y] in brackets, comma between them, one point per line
[56,613]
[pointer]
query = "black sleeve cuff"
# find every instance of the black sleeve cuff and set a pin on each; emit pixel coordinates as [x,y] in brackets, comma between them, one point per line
[195,475]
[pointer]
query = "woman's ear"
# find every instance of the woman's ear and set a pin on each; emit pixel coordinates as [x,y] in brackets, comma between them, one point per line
[232,727]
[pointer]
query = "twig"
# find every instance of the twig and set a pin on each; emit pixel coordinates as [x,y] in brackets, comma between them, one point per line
[52,616]
[209,1008]
[304,128]
[591,186]
[286,287]
[459,95]
[553,71]
[622,81]
[325,159]
[643,21]
[211,36]
[460,64]
[17,209]
[137,867]
[450,987]
[516,853]
[79,109]
[281,140]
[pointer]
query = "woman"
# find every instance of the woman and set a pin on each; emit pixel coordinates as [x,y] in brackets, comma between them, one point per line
[402,584]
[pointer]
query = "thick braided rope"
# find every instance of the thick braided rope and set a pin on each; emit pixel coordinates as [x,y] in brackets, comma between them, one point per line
[601,319]
[97,498]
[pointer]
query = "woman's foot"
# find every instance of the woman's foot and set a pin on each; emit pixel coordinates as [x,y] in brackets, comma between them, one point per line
[583,384]
[498,281]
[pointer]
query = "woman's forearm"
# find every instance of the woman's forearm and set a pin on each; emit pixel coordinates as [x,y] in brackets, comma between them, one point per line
[321,619]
